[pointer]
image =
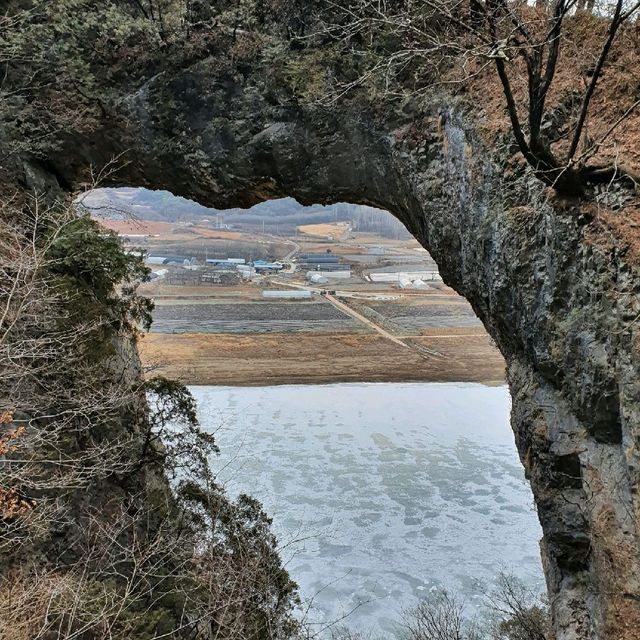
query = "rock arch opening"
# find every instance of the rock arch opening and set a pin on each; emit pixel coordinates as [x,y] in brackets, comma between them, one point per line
[417,477]
[373,304]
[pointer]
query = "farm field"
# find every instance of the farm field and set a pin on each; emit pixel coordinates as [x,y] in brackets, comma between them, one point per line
[228,333]
[135,226]
[450,311]
[243,340]
[247,317]
[324,230]
[296,358]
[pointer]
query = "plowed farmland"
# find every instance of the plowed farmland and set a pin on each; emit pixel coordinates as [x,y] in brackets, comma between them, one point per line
[257,317]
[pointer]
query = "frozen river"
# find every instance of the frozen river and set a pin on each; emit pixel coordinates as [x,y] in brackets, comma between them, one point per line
[392,490]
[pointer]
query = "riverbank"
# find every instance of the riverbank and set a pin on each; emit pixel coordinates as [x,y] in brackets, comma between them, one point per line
[443,355]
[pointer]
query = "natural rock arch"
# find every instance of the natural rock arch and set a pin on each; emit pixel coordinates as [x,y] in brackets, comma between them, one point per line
[560,303]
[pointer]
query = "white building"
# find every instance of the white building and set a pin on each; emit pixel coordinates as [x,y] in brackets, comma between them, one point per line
[329,275]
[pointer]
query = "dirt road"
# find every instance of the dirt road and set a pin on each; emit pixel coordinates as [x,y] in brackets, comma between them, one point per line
[372,325]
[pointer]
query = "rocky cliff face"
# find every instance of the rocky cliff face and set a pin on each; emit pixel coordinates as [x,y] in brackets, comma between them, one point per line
[557,293]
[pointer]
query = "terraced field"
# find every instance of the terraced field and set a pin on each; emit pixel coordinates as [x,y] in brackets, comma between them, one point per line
[255,317]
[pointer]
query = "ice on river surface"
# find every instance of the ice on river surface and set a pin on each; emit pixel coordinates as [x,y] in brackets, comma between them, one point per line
[393,490]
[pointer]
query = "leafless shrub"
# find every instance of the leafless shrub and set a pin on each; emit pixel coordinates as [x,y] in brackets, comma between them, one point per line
[111,523]
[511,612]
[441,617]
[523,615]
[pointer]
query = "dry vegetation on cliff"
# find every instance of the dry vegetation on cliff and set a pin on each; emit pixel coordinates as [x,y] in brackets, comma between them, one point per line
[95,540]
[111,522]
[554,88]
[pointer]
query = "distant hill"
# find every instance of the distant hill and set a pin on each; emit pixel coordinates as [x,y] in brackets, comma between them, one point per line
[285,214]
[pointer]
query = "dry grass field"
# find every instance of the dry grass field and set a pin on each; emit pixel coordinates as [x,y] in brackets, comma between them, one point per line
[324,230]
[135,226]
[289,358]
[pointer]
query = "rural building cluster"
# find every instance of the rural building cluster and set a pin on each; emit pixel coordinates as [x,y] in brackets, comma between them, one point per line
[296,268]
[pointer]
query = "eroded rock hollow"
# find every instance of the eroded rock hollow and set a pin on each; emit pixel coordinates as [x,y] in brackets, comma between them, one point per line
[559,296]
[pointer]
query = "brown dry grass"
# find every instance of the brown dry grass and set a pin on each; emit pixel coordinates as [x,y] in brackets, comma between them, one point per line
[174,231]
[617,90]
[324,230]
[198,358]
[138,227]
[218,234]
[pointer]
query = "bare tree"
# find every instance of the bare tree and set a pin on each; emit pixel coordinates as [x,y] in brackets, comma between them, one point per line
[523,43]
[522,614]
